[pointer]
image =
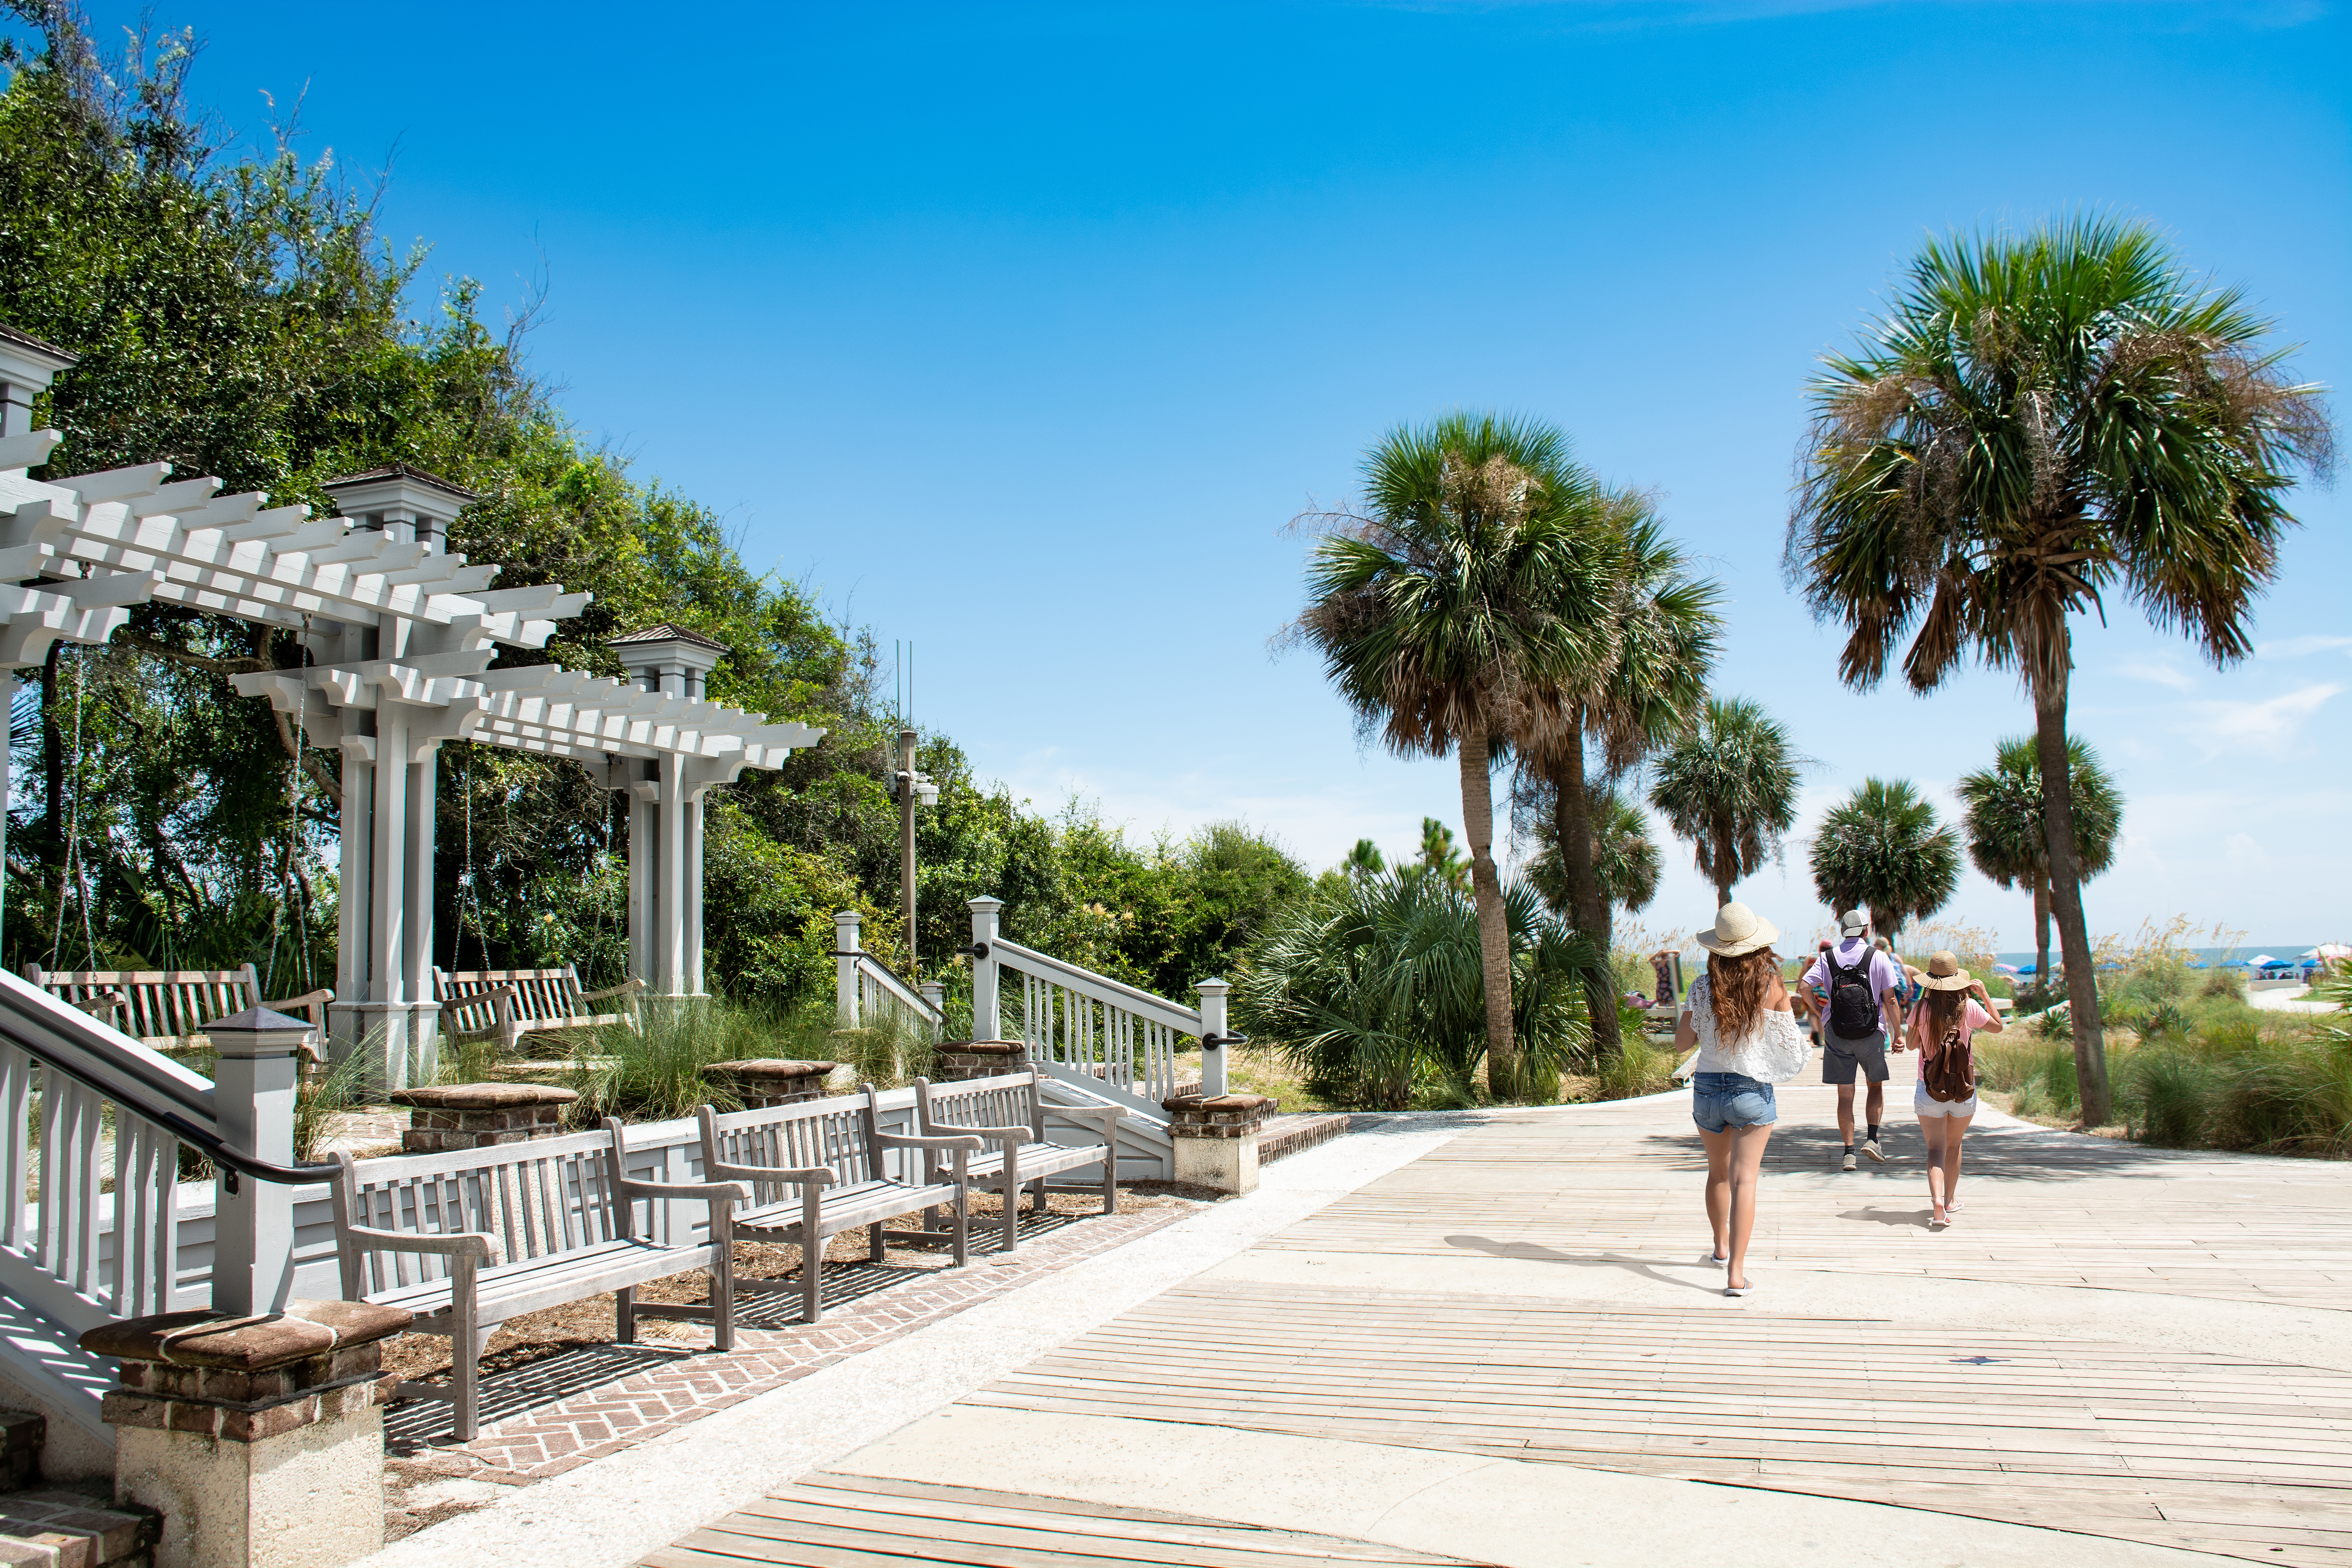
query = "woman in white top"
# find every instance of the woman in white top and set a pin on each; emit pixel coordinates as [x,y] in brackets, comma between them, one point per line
[1955,1011]
[1738,1017]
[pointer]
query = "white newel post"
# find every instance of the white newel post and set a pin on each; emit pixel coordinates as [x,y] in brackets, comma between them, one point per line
[987,1022]
[253,1096]
[1213,1028]
[845,924]
[936,993]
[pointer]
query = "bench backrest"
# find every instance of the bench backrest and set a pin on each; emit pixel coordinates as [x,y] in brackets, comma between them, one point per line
[1007,1100]
[159,1005]
[539,1198]
[841,1131]
[540,995]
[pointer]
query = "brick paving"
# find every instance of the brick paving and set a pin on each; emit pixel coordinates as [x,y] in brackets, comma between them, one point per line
[582,1405]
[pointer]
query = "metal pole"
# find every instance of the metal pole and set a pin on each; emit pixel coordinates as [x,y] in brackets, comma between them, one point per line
[907,842]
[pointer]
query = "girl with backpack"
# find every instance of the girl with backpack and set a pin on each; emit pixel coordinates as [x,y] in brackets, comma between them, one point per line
[1957,1009]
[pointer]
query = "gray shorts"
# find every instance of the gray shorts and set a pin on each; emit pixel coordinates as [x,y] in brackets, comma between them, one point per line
[1841,1056]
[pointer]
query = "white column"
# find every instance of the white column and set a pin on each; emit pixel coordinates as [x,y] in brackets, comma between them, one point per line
[1212,1024]
[423,1011]
[643,850]
[355,894]
[987,1024]
[671,941]
[692,810]
[844,968]
[253,1233]
[388,900]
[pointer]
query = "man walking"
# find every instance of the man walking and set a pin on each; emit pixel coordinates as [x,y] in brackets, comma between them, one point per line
[1859,991]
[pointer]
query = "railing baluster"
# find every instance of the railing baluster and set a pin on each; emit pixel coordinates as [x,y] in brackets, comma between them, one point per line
[16,1105]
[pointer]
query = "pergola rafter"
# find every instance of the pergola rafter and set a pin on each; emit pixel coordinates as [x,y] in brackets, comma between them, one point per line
[399,639]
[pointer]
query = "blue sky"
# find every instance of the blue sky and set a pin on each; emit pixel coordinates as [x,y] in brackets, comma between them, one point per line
[1022,330]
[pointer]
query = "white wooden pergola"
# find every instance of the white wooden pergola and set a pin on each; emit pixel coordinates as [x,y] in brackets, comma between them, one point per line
[401,636]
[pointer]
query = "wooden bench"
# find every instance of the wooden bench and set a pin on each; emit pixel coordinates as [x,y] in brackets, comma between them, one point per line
[1007,1112]
[167,1009]
[820,1168]
[470,1238]
[506,1005]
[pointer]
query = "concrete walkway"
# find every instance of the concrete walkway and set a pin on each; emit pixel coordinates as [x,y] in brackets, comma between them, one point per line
[1498,1343]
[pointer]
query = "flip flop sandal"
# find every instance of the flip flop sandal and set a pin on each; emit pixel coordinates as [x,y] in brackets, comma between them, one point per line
[1746,1289]
[1711,1257]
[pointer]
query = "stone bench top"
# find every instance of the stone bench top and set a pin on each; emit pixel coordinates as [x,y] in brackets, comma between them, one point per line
[1215,1104]
[482,1096]
[984,1047]
[208,1339]
[769,1067]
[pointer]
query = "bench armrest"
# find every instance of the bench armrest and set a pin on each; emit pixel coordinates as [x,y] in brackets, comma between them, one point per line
[307,998]
[823,1175]
[1000,1133]
[1108,1114]
[104,1004]
[716,1191]
[628,987]
[464,1244]
[905,1140]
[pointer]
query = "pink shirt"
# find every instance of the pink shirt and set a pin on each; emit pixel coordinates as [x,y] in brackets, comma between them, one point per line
[1970,1018]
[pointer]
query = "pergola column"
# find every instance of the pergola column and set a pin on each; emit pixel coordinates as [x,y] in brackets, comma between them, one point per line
[665,820]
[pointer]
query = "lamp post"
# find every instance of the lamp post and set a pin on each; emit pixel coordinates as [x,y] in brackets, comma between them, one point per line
[913,788]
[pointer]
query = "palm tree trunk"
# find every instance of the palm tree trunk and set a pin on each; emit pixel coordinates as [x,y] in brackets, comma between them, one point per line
[2066,894]
[1494,935]
[2041,930]
[1588,916]
[1726,858]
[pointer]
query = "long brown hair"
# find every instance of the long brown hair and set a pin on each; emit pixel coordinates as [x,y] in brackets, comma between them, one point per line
[1735,989]
[1943,1008]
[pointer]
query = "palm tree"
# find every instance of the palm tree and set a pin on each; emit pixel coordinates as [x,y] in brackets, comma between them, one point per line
[1365,860]
[2039,419]
[1884,850]
[1624,860]
[1729,785]
[1666,632]
[2004,815]
[1445,606]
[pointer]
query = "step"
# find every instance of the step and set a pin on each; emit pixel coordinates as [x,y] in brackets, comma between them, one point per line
[73,1530]
[1284,1135]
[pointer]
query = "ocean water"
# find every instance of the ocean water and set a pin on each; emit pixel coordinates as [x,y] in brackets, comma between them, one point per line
[2210,954]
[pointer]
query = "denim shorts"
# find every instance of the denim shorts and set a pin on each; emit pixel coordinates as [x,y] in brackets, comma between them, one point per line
[1721,1100]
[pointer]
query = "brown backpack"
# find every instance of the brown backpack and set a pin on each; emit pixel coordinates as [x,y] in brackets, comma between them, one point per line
[1951,1075]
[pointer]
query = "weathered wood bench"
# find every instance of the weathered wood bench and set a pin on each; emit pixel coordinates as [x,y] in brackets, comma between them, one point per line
[820,1168]
[471,1238]
[507,1005]
[167,1009]
[1007,1112]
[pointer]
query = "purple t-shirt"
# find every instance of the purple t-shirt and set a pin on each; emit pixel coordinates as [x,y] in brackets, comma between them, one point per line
[1886,974]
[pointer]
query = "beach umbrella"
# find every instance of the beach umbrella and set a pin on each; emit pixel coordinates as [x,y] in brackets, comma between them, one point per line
[2010,968]
[2260,960]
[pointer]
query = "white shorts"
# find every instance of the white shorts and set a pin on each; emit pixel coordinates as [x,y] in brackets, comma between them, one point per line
[1926,1107]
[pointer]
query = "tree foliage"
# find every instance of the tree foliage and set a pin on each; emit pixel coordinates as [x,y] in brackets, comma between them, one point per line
[1884,850]
[2002,812]
[1729,786]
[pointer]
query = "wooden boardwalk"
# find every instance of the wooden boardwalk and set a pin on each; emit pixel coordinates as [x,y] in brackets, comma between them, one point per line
[2113,1341]
[832,1521]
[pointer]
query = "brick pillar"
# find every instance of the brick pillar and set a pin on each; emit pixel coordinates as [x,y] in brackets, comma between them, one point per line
[961,1059]
[762,1083]
[259,1439]
[1215,1138]
[479,1115]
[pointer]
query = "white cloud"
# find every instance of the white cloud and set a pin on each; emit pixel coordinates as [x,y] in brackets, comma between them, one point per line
[2268,728]
[2302,647]
[2162,674]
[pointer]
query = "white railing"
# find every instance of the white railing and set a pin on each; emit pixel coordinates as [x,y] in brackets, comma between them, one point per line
[864,986]
[69,1247]
[1089,1029]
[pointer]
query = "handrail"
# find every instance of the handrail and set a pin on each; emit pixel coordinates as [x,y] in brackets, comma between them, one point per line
[232,1161]
[1186,1019]
[895,984]
[120,1068]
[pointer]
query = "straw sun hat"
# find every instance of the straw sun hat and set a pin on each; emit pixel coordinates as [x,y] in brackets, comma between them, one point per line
[1945,973]
[1739,929]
